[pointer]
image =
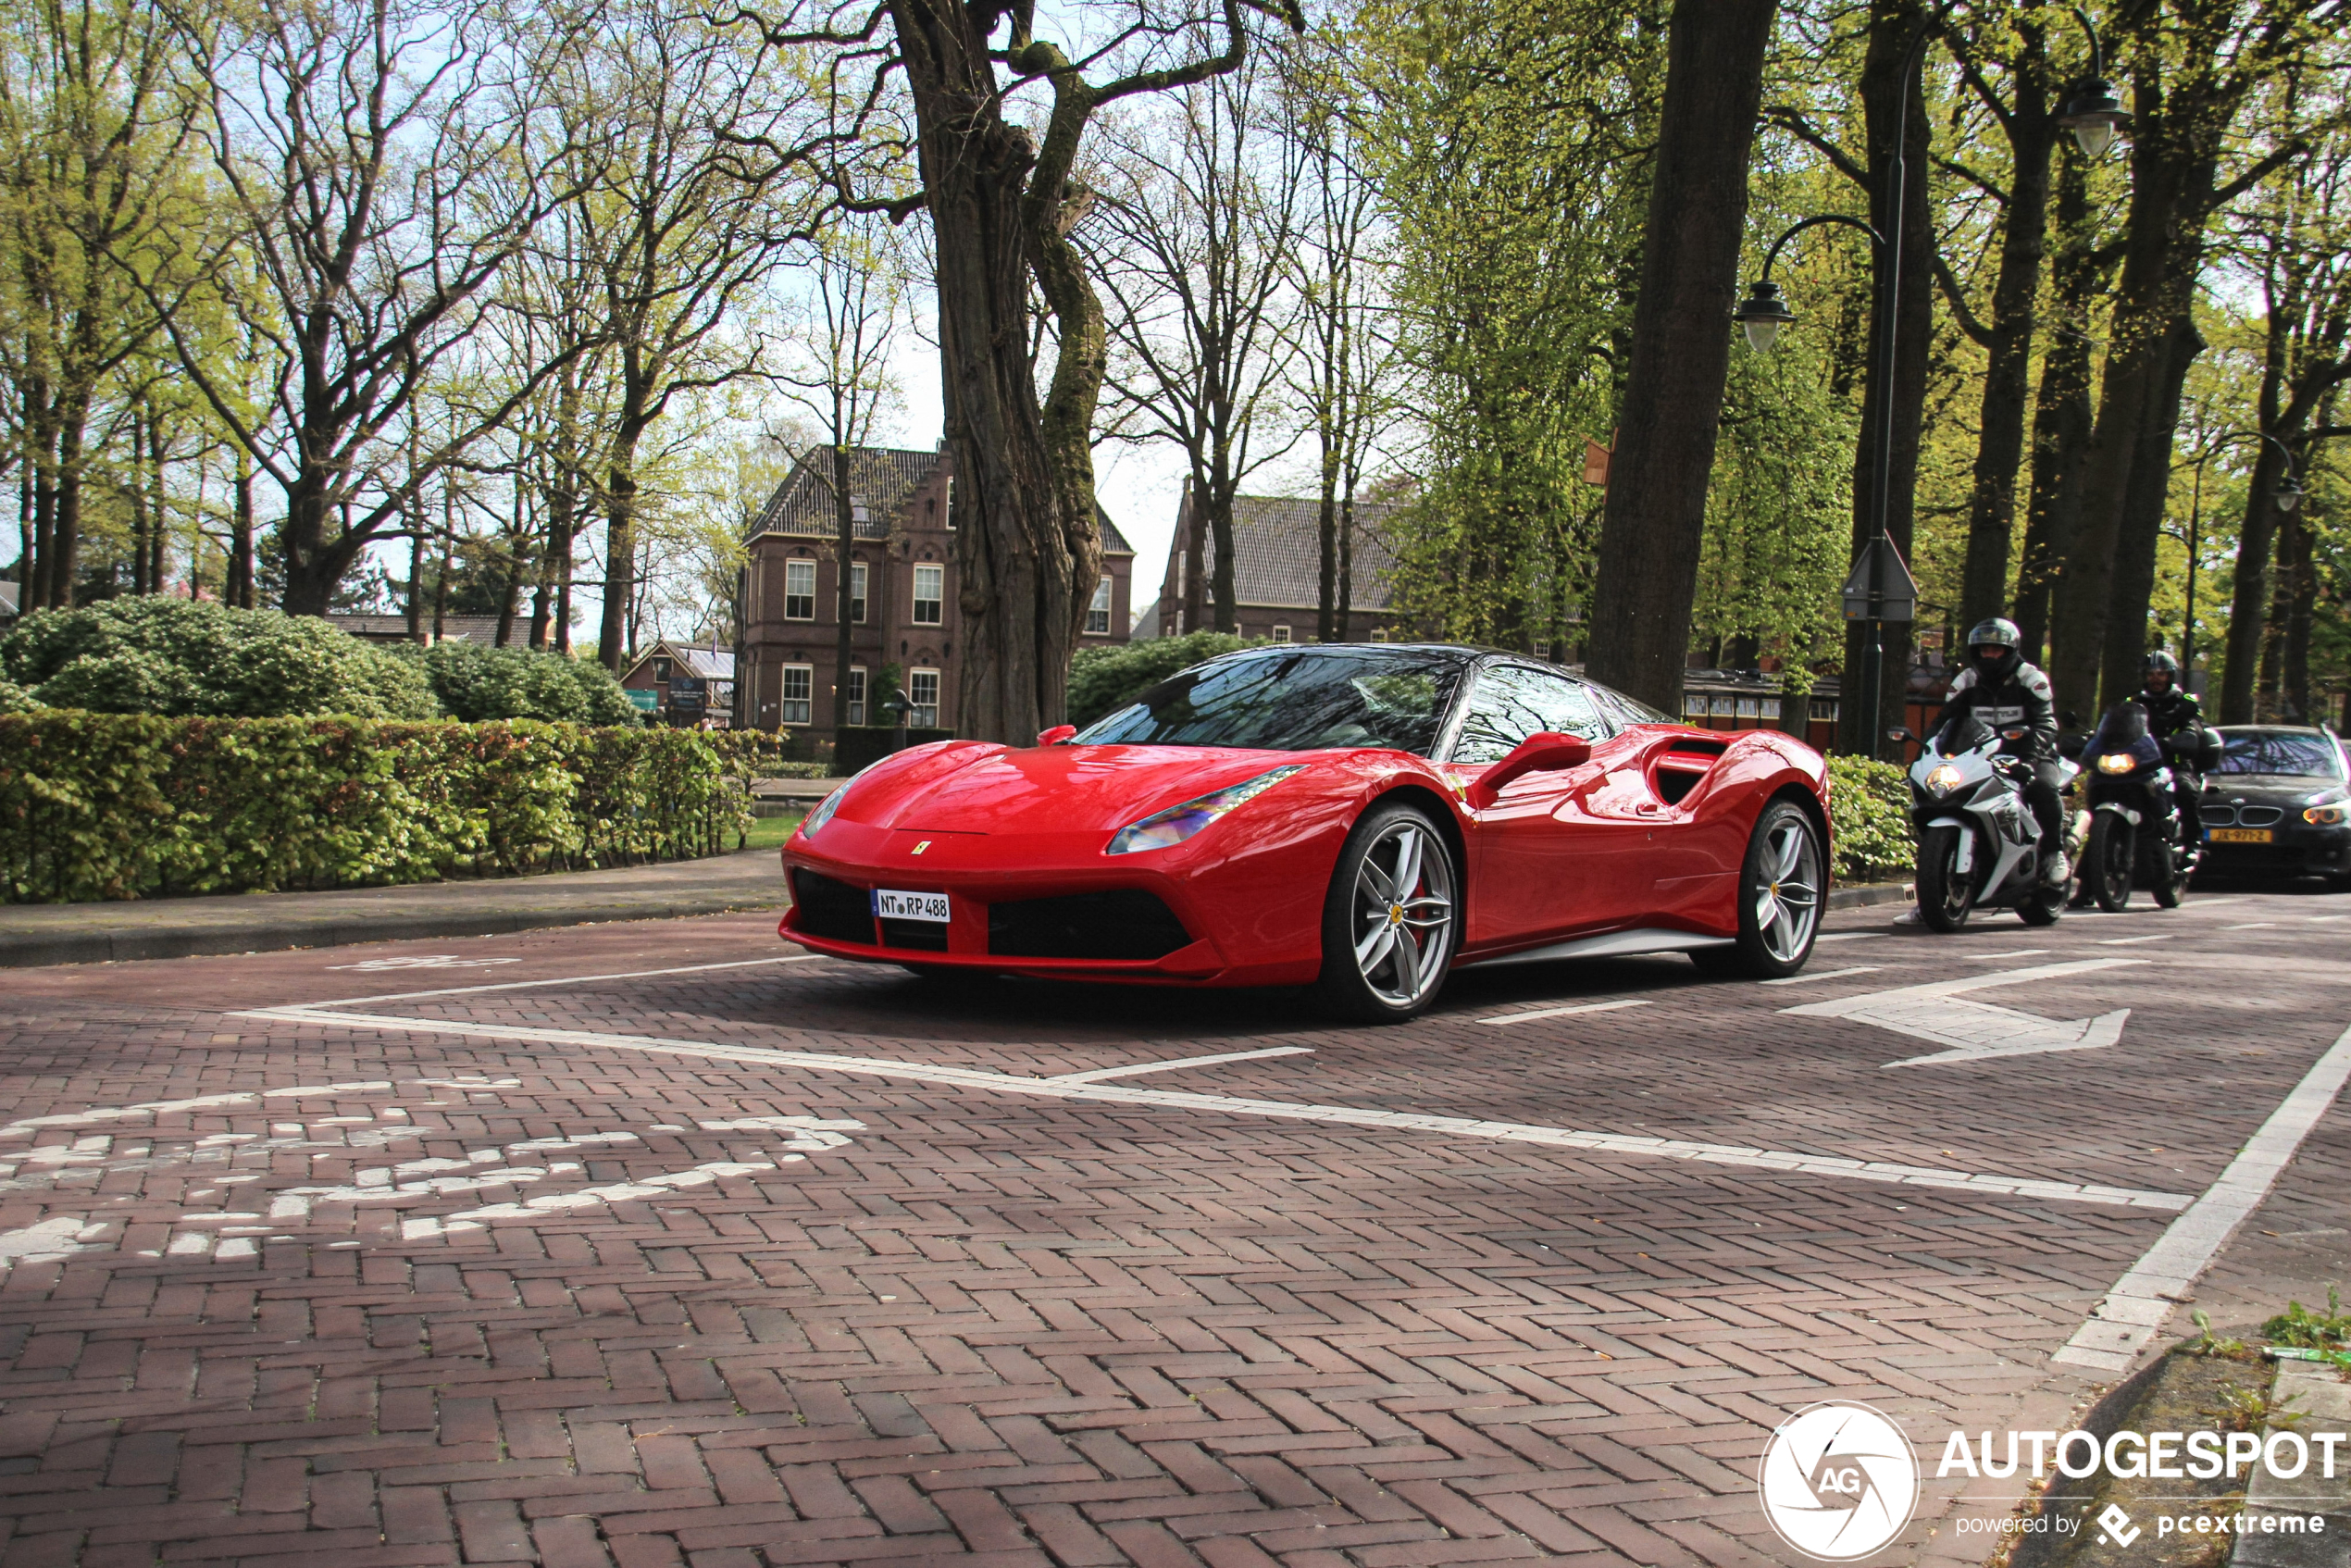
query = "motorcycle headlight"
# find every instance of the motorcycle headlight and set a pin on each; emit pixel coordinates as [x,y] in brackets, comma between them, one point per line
[823,813]
[2117,762]
[2326,817]
[1944,779]
[1167,828]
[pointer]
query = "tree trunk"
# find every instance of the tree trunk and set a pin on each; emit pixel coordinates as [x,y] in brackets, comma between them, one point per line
[138,499]
[2062,414]
[1195,606]
[1892,410]
[158,536]
[315,565]
[2301,600]
[1672,399]
[2142,520]
[1327,545]
[845,533]
[1999,450]
[613,639]
[240,537]
[66,562]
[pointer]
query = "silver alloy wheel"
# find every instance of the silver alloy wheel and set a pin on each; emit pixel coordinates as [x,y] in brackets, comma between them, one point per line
[1788,904]
[1403,910]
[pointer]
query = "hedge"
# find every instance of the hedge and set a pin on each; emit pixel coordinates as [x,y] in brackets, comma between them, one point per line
[129,805]
[1869,818]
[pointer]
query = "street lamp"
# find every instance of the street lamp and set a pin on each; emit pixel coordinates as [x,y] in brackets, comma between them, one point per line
[2090,110]
[2288,491]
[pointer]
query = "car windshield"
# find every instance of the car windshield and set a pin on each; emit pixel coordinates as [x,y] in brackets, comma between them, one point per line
[2282,752]
[1292,701]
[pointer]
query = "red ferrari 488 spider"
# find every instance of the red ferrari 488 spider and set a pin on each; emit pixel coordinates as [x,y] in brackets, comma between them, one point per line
[1364,817]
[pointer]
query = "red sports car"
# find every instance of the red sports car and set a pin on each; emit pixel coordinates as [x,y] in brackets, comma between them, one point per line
[1364,817]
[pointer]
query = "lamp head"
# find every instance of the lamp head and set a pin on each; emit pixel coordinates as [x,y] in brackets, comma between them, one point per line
[2091,113]
[1762,314]
[2289,494]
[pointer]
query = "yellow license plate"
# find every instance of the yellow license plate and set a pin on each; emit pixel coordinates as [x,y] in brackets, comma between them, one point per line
[2240,835]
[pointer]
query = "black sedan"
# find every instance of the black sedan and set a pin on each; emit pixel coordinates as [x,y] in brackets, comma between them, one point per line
[2279,805]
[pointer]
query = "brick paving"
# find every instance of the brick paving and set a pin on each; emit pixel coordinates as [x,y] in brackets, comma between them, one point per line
[409,1295]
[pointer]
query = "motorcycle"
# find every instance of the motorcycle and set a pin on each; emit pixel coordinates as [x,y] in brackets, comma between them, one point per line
[1979,846]
[2136,836]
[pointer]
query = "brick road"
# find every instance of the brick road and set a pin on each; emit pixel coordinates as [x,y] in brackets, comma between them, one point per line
[639,1271]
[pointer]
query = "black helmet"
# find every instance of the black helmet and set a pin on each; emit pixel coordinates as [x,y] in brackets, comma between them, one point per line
[2161,663]
[1998,634]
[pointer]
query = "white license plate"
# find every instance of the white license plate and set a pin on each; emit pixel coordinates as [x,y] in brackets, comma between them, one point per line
[910,906]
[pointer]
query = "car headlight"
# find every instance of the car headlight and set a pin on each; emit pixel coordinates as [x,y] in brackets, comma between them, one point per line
[1165,828]
[2326,817]
[2117,762]
[1944,779]
[823,813]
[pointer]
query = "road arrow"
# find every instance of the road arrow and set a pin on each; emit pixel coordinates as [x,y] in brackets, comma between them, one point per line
[1974,1031]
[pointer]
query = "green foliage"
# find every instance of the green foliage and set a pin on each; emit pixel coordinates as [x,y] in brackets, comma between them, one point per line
[179,658]
[1102,680]
[2300,1325]
[15,699]
[115,806]
[474,683]
[2207,1343]
[1869,819]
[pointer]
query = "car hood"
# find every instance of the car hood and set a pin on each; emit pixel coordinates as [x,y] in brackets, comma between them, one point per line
[1051,789]
[2270,788]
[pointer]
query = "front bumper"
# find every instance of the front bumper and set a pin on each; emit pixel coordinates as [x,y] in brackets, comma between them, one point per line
[2296,849]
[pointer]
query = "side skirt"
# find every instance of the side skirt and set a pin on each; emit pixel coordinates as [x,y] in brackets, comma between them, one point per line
[1614,944]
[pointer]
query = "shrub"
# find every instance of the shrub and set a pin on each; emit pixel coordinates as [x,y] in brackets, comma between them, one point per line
[115,805]
[474,683]
[1102,680]
[15,699]
[178,658]
[1869,818]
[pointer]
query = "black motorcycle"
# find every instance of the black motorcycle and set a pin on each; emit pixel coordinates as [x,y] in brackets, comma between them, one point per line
[2137,836]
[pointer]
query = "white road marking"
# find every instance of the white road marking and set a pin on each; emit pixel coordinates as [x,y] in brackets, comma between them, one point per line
[1831,974]
[1137,1068]
[2127,942]
[2013,952]
[1851,937]
[2143,1299]
[45,1242]
[1560,1012]
[1972,1031]
[432,961]
[571,980]
[165,1107]
[2322,919]
[1336,1116]
[2253,925]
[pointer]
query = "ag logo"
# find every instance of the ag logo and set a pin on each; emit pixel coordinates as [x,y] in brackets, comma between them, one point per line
[1838,1481]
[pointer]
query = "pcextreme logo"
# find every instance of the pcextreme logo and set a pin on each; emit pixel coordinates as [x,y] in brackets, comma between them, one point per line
[1838,1481]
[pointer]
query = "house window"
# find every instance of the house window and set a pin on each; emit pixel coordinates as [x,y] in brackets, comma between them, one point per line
[1823,710]
[1771,709]
[1380,634]
[1746,707]
[661,669]
[921,690]
[1281,632]
[1097,613]
[857,693]
[930,590]
[858,512]
[1694,704]
[799,592]
[800,680]
[1726,707]
[857,593]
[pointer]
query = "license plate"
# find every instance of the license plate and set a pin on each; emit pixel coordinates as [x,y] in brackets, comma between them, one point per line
[2240,835]
[913,906]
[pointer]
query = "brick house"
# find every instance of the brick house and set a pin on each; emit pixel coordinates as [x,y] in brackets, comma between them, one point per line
[711,671]
[1277,571]
[904,587]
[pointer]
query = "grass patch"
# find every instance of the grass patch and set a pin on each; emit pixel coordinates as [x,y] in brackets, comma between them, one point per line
[769,832]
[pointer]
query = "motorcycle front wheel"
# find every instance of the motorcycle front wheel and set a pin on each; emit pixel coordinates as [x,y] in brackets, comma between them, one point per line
[2109,857]
[1946,894]
[2165,879]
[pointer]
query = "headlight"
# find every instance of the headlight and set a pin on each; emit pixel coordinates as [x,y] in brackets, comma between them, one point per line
[2326,817]
[823,813]
[1944,779]
[2117,762]
[1167,829]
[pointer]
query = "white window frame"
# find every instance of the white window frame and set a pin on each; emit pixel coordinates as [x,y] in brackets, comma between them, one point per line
[793,569]
[938,604]
[1281,631]
[800,709]
[857,693]
[1098,611]
[925,714]
[1380,634]
[1694,705]
[857,581]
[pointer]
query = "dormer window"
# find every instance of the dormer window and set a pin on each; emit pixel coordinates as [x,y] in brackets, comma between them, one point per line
[859,511]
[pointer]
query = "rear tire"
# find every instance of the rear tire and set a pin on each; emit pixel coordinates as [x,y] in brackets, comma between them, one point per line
[1945,897]
[2108,871]
[1781,895]
[2166,881]
[2043,908]
[1391,921]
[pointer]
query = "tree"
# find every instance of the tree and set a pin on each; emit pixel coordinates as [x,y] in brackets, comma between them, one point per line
[1673,399]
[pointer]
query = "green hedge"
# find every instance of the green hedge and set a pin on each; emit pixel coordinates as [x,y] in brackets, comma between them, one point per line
[126,806]
[1870,818]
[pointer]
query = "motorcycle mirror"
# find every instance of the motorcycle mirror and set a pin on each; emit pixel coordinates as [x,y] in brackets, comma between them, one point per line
[1898,733]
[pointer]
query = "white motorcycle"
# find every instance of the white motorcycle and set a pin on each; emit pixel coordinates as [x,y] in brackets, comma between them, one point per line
[1979,846]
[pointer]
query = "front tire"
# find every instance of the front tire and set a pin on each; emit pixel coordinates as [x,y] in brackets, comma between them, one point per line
[1391,922]
[1946,894]
[1780,887]
[2167,879]
[2111,854]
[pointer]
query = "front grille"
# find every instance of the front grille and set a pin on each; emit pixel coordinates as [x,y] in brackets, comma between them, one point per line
[925,936]
[1122,923]
[2219,817]
[832,909]
[2258,817]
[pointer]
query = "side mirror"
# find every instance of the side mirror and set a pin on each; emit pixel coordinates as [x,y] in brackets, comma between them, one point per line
[1900,733]
[1056,735]
[1542,752]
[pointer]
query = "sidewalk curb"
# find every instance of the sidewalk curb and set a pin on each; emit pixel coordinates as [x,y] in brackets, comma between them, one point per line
[1863,895]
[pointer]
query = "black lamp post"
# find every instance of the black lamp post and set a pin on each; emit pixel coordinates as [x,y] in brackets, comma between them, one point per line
[2090,109]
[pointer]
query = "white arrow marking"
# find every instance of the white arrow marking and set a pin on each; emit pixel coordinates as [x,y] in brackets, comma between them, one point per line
[1974,1031]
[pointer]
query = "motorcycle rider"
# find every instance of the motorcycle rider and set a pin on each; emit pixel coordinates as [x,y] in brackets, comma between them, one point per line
[2176,720]
[2006,694]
